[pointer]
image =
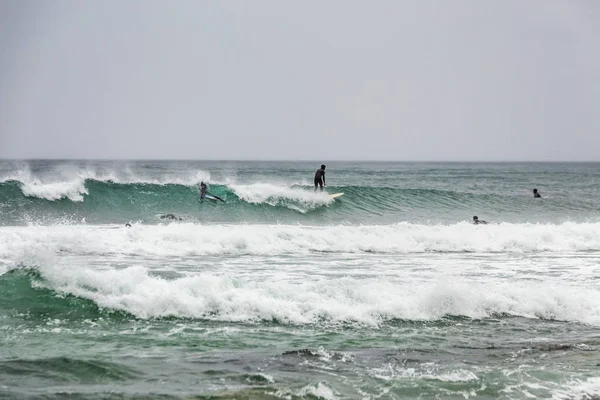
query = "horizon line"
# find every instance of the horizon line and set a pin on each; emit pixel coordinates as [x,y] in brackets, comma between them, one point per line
[306,160]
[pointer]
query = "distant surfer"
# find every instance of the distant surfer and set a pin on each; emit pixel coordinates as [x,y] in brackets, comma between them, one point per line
[205,195]
[478,221]
[320,177]
[170,216]
[128,225]
[536,194]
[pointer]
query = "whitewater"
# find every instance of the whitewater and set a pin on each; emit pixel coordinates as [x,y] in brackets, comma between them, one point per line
[282,292]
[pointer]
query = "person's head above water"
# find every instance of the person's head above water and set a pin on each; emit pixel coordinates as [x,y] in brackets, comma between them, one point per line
[475,218]
[322,166]
[534,190]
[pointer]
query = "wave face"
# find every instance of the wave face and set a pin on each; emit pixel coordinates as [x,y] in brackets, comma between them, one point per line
[55,192]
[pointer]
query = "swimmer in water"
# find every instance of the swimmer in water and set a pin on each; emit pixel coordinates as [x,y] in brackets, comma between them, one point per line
[478,221]
[170,216]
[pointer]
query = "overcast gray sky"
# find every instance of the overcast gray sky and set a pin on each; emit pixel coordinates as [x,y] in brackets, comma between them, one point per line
[319,80]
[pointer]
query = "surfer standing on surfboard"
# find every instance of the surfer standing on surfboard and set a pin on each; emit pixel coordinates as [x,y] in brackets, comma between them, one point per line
[320,178]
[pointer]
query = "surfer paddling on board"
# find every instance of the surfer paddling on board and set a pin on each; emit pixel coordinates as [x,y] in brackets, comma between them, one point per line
[205,195]
[478,221]
[171,217]
[320,178]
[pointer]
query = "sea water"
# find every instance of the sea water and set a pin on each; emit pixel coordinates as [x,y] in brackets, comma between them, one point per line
[282,292]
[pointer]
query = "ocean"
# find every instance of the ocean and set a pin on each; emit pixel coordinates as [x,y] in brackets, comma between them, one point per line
[280,292]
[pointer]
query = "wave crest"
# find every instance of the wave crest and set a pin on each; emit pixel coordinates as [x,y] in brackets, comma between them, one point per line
[298,199]
[370,301]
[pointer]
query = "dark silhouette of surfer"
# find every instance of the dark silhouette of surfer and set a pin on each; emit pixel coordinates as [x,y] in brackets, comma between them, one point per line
[536,194]
[203,193]
[320,178]
[170,216]
[478,221]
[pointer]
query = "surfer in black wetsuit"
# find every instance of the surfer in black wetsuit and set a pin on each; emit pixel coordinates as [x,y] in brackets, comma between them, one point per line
[203,194]
[478,221]
[320,177]
[170,216]
[536,194]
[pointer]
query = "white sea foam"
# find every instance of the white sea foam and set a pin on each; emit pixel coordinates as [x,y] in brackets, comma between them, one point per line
[64,183]
[73,190]
[587,389]
[319,391]
[313,300]
[428,371]
[310,295]
[276,195]
[185,239]
[68,181]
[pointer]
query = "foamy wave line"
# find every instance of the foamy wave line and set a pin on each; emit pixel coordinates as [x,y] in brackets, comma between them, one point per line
[187,239]
[315,301]
[73,190]
[587,389]
[70,182]
[292,197]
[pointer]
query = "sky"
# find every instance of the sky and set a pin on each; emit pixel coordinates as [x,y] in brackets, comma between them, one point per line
[461,80]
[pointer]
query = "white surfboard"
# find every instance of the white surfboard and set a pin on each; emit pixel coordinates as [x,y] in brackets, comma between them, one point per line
[213,198]
[336,195]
